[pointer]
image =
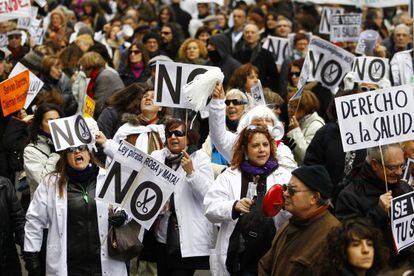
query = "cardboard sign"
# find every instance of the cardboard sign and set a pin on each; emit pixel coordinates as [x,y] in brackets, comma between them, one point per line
[13,92]
[37,34]
[170,78]
[279,47]
[345,27]
[89,107]
[138,183]
[69,132]
[370,69]
[25,22]
[12,9]
[376,118]
[409,171]
[35,84]
[4,41]
[402,220]
[326,63]
[256,92]
[325,25]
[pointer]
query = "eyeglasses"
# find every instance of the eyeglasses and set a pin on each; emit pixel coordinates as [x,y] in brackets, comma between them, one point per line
[273,106]
[135,52]
[234,102]
[177,133]
[294,74]
[78,148]
[13,36]
[165,33]
[292,191]
[366,89]
[393,168]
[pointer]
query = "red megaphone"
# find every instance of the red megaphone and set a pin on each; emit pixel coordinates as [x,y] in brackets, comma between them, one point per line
[273,201]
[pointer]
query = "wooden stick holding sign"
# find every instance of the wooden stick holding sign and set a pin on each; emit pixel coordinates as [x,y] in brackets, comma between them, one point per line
[383,167]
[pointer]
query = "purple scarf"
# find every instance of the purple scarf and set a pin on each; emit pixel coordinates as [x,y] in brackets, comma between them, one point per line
[270,165]
[137,69]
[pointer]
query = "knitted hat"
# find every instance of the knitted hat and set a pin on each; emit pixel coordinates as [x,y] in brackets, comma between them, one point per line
[316,178]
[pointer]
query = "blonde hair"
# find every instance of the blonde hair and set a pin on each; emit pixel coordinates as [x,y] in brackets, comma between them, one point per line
[201,47]
[91,60]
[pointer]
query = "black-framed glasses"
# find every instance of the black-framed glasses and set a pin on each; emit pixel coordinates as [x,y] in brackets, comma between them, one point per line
[294,74]
[177,133]
[15,36]
[366,89]
[292,191]
[78,148]
[234,102]
[165,33]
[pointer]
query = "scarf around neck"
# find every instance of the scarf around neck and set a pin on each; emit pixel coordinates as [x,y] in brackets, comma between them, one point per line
[83,176]
[91,86]
[270,166]
[137,69]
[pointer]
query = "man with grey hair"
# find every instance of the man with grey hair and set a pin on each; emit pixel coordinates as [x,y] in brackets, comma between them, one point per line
[283,27]
[402,61]
[365,193]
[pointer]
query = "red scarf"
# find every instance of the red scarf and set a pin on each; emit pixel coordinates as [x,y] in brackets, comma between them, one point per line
[90,90]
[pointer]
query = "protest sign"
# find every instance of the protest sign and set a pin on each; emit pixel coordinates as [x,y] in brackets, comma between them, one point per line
[359,3]
[257,94]
[366,42]
[279,47]
[345,27]
[13,9]
[325,25]
[409,171]
[138,183]
[370,69]
[402,220]
[376,118]
[37,34]
[13,92]
[170,78]
[35,84]
[326,63]
[4,41]
[25,22]
[69,132]
[89,107]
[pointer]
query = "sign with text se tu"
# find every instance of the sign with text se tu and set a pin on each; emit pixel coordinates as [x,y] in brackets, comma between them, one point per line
[375,118]
[13,93]
[402,221]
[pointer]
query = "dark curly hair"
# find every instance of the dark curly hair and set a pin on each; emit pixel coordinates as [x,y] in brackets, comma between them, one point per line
[332,257]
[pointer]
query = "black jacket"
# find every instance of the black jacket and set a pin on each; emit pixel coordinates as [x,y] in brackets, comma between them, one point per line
[11,229]
[226,63]
[264,61]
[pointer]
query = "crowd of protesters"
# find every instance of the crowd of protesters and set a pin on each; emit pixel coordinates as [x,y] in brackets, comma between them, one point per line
[335,219]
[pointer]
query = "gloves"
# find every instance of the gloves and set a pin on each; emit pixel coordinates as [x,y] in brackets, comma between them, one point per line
[32,261]
[349,81]
[118,218]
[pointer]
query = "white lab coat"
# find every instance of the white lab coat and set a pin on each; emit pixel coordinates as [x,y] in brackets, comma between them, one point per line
[196,231]
[224,140]
[48,210]
[402,67]
[218,203]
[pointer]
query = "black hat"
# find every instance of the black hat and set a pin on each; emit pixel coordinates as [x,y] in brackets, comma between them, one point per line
[316,178]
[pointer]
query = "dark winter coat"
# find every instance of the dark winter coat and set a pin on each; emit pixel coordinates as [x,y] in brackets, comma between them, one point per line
[11,229]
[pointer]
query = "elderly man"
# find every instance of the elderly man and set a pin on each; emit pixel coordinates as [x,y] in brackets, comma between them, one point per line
[365,193]
[252,52]
[283,27]
[399,40]
[298,240]
[235,33]
[402,61]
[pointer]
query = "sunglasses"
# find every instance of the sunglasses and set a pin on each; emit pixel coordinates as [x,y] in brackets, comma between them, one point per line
[13,36]
[135,52]
[292,191]
[165,33]
[366,89]
[294,74]
[177,133]
[273,106]
[234,102]
[78,148]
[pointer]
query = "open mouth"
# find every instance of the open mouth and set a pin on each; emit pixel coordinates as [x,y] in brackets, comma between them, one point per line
[78,159]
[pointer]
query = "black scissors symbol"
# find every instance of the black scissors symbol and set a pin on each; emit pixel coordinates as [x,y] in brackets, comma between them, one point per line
[145,201]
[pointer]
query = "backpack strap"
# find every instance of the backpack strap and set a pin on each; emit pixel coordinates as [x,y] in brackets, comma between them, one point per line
[47,155]
[245,179]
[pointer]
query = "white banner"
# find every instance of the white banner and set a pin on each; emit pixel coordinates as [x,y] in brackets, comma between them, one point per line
[376,118]
[257,94]
[326,63]
[70,132]
[325,25]
[279,47]
[402,220]
[367,3]
[14,9]
[409,172]
[170,78]
[35,83]
[371,69]
[139,183]
[345,27]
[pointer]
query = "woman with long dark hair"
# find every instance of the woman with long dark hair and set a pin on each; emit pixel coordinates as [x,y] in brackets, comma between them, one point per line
[135,66]
[78,225]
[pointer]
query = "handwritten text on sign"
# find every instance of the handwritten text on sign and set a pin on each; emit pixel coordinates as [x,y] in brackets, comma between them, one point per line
[12,9]
[345,27]
[13,93]
[402,220]
[370,69]
[375,118]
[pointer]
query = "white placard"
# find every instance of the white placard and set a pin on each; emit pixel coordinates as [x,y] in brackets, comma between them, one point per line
[279,47]
[37,34]
[345,27]
[374,118]
[170,78]
[325,25]
[371,69]
[35,85]
[69,132]
[14,9]
[138,183]
[326,63]
[4,41]
[256,91]
[402,220]
[408,173]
